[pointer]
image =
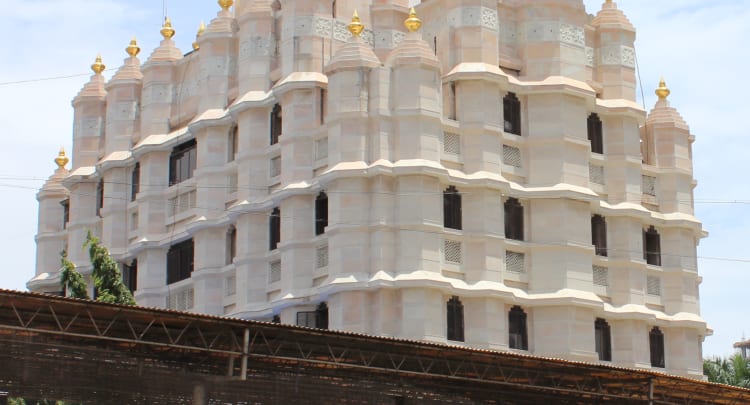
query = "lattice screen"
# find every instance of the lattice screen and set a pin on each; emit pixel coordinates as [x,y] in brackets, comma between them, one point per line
[648,185]
[181,300]
[274,168]
[601,276]
[451,143]
[653,285]
[452,251]
[515,262]
[321,257]
[230,285]
[182,202]
[321,148]
[274,271]
[596,174]
[511,156]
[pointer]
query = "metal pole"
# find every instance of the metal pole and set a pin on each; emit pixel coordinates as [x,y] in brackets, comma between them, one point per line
[651,391]
[245,349]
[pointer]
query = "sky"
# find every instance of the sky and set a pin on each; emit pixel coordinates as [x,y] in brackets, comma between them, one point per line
[698,46]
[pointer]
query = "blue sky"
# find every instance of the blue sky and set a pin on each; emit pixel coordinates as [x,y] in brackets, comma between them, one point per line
[698,46]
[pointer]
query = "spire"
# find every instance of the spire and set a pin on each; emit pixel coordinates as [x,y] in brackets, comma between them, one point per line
[133,49]
[201,30]
[98,67]
[166,30]
[413,23]
[662,111]
[356,27]
[61,159]
[226,4]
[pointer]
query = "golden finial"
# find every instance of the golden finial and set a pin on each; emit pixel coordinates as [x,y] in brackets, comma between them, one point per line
[225,4]
[663,91]
[356,27]
[61,159]
[167,31]
[98,67]
[201,30]
[133,50]
[413,23]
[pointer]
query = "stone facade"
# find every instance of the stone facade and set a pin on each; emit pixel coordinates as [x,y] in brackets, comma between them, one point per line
[496,155]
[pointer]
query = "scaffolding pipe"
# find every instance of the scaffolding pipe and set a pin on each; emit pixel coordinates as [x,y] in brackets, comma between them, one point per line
[245,350]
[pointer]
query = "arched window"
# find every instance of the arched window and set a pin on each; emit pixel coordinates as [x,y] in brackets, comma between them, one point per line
[517,334]
[656,344]
[603,339]
[275,124]
[451,208]
[512,114]
[321,213]
[455,319]
[599,234]
[513,219]
[231,244]
[652,246]
[321,316]
[274,229]
[595,133]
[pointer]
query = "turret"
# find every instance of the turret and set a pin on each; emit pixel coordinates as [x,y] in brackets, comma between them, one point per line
[50,237]
[123,96]
[615,67]
[158,79]
[218,50]
[89,111]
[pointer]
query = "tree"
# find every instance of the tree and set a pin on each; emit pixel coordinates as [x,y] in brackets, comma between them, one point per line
[106,274]
[72,282]
[734,370]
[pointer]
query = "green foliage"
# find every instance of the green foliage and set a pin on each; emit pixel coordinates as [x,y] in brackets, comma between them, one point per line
[72,282]
[734,370]
[106,274]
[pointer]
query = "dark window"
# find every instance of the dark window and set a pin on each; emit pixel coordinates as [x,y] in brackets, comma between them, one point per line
[274,229]
[66,212]
[512,114]
[180,261]
[451,208]
[652,246]
[99,198]
[321,316]
[182,162]
[135,181]
[455,318]
[323,103]
[130,275]
[517,335]
[233,143]
[656,344]
[321,213]
[513,219]
[599,234]
[603,339]
[276,319]
[314,319]
[595,133]
[275,124]
[231,244]
[453,104]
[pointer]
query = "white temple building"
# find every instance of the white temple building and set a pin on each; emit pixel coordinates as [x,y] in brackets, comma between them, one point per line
[475,172]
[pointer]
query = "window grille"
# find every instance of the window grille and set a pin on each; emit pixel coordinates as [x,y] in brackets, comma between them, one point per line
[274,167]
[452,251]
[321,148]
[321,257]
[515,262]
[181,300]
[653,286]
[648,185]
[274,271]
[596,174]
[511,156]
[230,285]
[451,143]
[601,276]
[182,202]
[232,181]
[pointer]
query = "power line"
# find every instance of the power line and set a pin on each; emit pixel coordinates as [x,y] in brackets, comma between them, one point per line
[44,79]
